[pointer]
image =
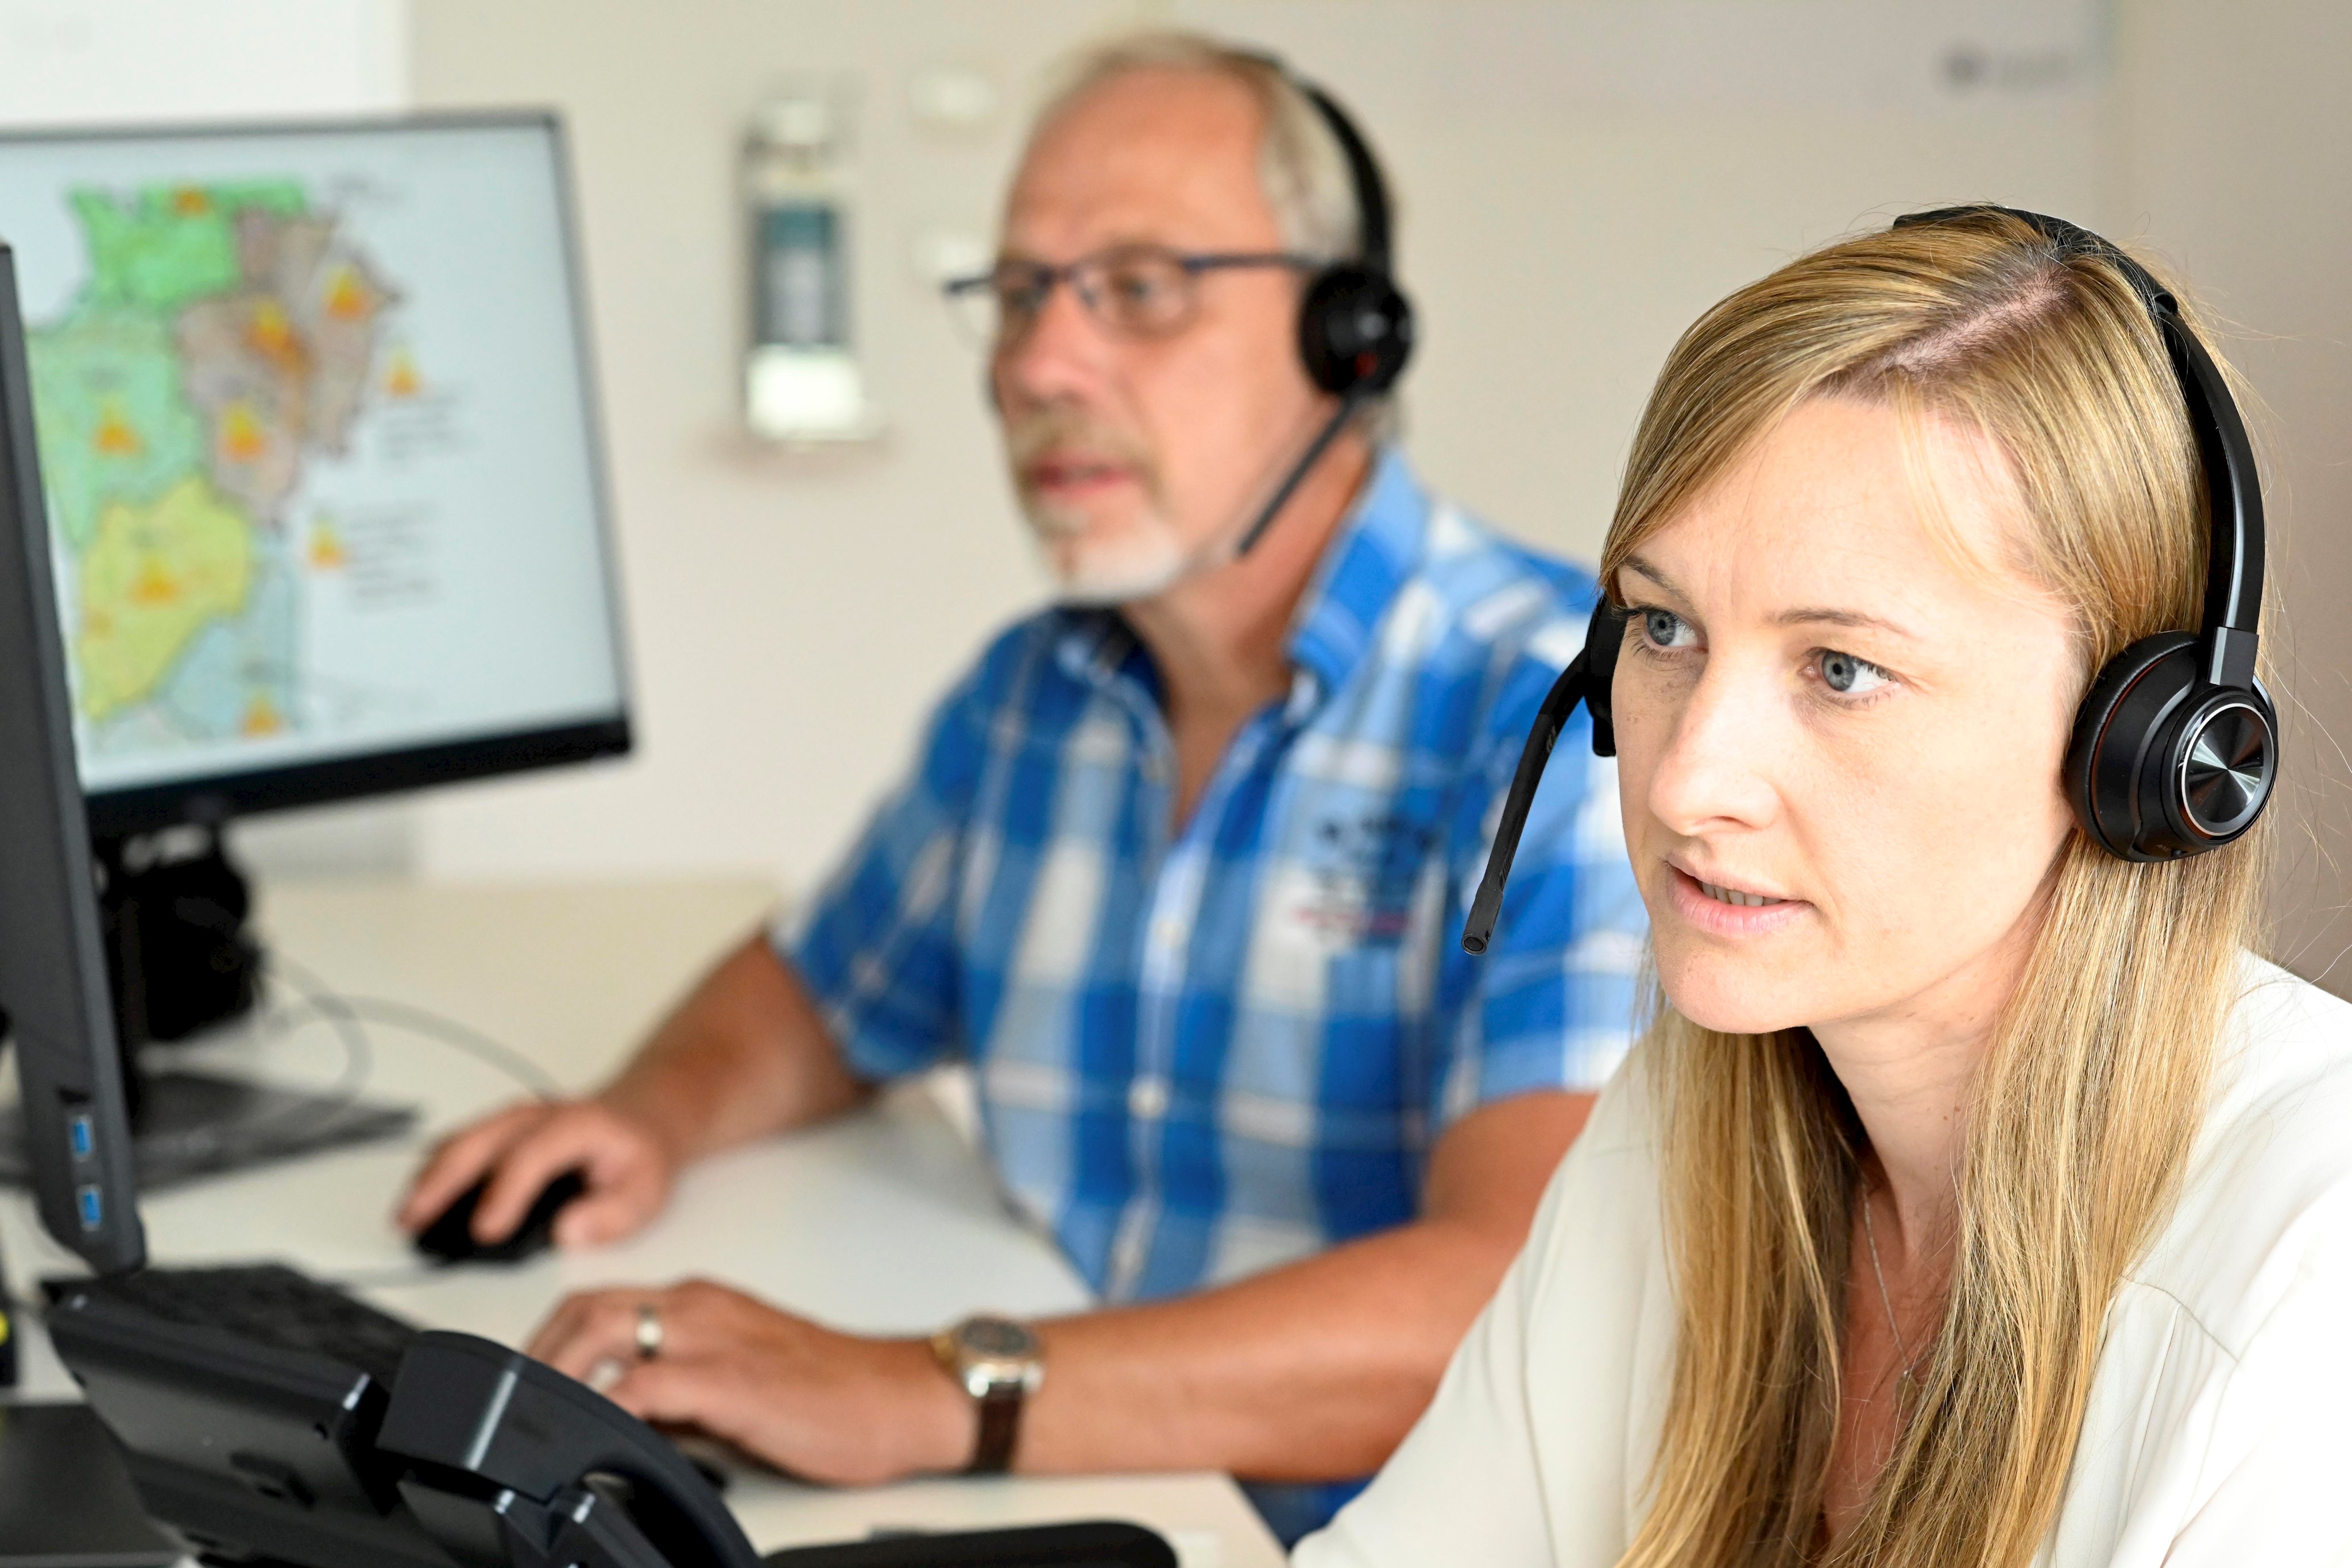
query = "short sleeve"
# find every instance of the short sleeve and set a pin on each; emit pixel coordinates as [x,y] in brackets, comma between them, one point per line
[1550,1004]
[877,946]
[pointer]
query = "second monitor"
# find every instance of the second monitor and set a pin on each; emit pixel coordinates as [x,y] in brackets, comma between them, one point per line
[317,425]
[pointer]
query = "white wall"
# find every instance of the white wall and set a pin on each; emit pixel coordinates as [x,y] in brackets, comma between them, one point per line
[1579,179]
[68,62]
[2236,138]
[794,617]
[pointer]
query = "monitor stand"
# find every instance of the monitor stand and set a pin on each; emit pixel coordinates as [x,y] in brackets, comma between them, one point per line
[180,956]
[181,959]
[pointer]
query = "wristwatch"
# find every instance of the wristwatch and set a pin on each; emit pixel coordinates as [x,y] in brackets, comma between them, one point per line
[999,1364]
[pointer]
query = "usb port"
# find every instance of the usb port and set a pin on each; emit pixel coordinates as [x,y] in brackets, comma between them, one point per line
[94,1208]
[80,1135]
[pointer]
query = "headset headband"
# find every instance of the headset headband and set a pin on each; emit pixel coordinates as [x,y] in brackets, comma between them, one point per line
[1372,239]
[1372,247]
[2233,572]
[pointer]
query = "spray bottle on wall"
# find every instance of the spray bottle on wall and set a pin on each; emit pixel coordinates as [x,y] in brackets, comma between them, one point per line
[803,381]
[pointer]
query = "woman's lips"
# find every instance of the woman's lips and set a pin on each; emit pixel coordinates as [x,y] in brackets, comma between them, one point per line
[1699,908]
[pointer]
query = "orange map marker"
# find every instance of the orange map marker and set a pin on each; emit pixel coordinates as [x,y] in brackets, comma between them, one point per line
[326,548]
[190,202]
[241,438]
[401,378]
[154,585]
[348,299]
[115,438]
[261,717]
[269,332]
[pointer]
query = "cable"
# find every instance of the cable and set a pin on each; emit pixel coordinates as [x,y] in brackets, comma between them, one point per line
[202,1146]
[426,1024]
[316,997]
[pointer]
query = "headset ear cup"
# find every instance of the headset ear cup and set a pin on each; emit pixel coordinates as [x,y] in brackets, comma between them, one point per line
[1355,331]
[1604,634]
[2220,760]
[2162,766]
[2120,719]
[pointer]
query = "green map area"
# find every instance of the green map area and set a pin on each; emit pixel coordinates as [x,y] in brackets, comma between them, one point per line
[224,340]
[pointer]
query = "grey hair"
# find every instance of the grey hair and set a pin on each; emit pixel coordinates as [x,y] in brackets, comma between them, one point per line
[1300,164]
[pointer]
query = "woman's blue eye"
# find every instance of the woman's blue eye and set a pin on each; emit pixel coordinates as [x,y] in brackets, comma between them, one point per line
[1845,673]
[1665,629]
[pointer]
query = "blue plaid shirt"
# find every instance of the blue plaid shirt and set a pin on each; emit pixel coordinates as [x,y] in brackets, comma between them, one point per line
[1203,1050]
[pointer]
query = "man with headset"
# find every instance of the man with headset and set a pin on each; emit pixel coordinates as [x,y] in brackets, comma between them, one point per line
[1179,871]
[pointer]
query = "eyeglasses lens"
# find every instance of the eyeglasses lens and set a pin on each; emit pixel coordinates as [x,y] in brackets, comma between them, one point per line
[1132,294]
[1139,294]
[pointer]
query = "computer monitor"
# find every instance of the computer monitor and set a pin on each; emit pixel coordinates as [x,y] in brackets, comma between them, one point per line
[318,433]
[317,423]
[53,986]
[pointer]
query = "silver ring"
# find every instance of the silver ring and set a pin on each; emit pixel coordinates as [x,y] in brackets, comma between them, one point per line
[649,1331]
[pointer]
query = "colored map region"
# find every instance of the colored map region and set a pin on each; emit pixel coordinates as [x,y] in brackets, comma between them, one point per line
[151,578]
[225,338]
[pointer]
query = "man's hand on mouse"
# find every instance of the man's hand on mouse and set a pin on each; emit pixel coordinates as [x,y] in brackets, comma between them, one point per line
[826,1406]
[522,1148]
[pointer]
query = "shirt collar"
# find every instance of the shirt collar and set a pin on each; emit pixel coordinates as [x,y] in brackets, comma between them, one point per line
[1092,645]
[1375,550]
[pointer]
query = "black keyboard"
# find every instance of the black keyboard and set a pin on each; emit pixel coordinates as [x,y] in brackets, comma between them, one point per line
[264,1303]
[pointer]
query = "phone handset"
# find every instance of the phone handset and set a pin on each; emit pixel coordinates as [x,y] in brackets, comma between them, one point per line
[517,1466]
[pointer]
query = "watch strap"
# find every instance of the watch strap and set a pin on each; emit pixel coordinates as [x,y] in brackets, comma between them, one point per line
[999,1430]
[998,1406]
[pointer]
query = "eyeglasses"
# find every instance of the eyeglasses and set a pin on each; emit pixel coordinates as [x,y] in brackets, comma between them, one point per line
[1131,290]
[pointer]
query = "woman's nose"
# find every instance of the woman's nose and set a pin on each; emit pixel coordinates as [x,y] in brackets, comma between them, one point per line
[1720,746]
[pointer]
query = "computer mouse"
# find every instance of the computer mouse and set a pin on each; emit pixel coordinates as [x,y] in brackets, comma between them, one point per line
[450,1238]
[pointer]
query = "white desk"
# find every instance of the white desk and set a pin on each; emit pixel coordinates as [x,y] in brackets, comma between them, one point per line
[884,1222]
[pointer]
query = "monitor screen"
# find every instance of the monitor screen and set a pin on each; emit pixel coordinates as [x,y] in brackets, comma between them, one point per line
[318,435]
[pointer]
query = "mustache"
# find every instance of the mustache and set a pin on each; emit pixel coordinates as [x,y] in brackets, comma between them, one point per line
[1028,437]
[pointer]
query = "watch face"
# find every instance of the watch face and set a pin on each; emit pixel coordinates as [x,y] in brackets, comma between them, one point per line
[996,1338]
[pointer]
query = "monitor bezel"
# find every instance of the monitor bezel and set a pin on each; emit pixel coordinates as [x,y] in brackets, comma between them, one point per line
[52,951]
[136,809]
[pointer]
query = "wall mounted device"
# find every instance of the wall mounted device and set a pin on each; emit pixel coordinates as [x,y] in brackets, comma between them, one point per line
[803,381]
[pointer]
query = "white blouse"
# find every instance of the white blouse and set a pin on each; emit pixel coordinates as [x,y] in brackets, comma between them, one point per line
[2220,1424]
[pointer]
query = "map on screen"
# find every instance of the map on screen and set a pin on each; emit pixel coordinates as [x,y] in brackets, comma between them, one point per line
[313,425]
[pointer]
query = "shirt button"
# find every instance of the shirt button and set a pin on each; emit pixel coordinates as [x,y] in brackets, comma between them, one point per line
[1155,769]
[1147,1099]
[1167,936]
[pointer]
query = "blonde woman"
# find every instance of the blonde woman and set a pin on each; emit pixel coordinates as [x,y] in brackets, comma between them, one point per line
[1975,1197]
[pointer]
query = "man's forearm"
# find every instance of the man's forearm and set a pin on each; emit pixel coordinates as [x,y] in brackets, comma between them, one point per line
[1312,1372]
[745,1055]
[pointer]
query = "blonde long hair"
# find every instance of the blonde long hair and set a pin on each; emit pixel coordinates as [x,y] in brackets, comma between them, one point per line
[2097,1074]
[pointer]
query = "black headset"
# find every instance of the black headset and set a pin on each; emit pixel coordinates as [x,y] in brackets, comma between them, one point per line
[1355,325]
[2175,748]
